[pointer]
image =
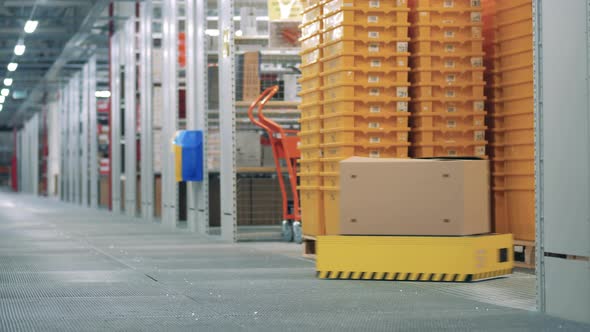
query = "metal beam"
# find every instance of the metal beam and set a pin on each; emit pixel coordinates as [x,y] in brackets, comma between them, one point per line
[146,111]
[196,101]
[47,3]
[170,118]
[130,119]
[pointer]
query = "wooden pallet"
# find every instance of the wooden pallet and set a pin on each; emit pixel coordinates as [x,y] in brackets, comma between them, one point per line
[527,248]
[309,246]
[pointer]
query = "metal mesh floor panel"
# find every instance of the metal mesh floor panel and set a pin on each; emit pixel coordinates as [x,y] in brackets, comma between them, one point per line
[66,268]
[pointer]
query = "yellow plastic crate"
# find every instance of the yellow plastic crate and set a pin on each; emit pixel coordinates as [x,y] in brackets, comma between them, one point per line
[309,57]
[447,135]
[450,76]
[519,118]
[310,124]
[310,180]
[447,60]
[377,33]
[447,120]
[358,16]
[311,95]
[370,93]
[311,69]
[368,138]
[364,122]
[310,82]
[331,210]
[365,76]
[439,16]
[311,42]
[381,61]
[310,137]
[386,5]
[399,150]
[446,33]
[467,107]
[312,218]
[312,28]
[385,107]
[447,46]
[513,29]
[447,5]
[518,56]
[514,10]
[365,47]
[311,109]
[310,152]
[423,90]
[425,150]
[311,13]
[308,166]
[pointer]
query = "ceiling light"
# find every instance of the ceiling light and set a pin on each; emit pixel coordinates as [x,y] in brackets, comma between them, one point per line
[5,92]
[102,94]
[1,107]
[12,66]
[8,81]
[19,49]
[2,99]
[30,26]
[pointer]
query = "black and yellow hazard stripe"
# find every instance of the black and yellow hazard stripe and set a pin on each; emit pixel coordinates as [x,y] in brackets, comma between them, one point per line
[404,276]
[492,274]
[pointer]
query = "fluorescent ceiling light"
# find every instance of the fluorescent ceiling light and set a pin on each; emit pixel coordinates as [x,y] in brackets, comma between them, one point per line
[2,99]
[31,26]
[19,49]
[8,81]
[5,92]
[12,66]
[1,107]
[102,94]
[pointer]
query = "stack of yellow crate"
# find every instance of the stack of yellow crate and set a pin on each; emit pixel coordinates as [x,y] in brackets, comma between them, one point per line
[311,110]
[448,111]
[512,92]
[365,89]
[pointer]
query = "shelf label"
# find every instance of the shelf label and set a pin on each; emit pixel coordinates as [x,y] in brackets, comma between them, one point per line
[372,19]
[375,63]
[374,92]
[374,4]
[373,48]
[449,4]
[374,154]
[374,125]
[402,106]
[373,34]
[451,124]
[375,109]
[373,79]
[375,140]
[478,106]
[476,17]
[402,47]
[479,135]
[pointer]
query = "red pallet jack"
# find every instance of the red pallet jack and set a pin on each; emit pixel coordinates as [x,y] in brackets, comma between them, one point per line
[284,144]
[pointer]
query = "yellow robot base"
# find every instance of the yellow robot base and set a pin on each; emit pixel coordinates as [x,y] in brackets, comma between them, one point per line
[415,258]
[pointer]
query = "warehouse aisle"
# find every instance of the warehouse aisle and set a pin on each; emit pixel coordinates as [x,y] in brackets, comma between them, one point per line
[66,268]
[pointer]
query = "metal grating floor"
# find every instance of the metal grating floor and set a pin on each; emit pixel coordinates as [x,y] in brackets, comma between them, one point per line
[66,268]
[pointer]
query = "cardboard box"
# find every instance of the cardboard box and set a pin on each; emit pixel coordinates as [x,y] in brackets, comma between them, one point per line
[414,197]
[248,150]
[251,76]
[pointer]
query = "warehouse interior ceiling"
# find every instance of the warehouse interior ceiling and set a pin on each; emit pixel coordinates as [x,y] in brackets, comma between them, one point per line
[68,33]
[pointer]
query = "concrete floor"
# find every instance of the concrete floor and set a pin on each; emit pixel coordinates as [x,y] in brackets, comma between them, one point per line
[66,268]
